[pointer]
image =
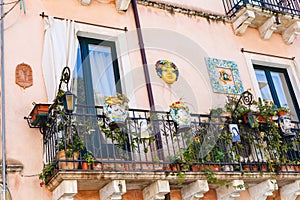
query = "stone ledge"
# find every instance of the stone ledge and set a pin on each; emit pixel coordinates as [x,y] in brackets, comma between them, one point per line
[95,180]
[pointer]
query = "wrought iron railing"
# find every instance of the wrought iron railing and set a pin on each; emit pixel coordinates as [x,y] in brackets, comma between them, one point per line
[291,7]
[149,141]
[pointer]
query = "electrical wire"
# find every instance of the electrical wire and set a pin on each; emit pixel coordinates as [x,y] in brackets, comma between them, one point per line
[15,4]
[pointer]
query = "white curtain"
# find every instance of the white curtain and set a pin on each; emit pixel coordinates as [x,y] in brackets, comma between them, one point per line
[102,73]
[60,50]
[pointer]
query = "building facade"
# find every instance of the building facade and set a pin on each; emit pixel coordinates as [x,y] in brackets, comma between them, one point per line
[151,61]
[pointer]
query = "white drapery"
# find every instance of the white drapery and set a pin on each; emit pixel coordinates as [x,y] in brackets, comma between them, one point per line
[60,50]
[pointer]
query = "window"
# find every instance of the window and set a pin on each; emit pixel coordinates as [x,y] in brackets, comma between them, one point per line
[96,74]
[275,85]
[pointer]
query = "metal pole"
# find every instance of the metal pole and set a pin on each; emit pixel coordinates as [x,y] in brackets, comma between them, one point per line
[3,106]
[143,55]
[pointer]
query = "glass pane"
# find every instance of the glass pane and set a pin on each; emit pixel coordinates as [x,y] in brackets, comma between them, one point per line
[263,84]
[78,81]
[277,80]
[103,78]
[283,93]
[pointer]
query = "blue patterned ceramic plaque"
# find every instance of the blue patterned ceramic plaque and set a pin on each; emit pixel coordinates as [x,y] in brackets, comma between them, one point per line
[224,76]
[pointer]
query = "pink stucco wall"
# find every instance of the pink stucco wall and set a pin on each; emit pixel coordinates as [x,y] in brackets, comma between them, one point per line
[24,42]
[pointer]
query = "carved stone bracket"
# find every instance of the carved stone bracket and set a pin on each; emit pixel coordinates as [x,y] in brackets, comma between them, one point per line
[267,28]
[195,190]
[290,191]
[156,190]
[113,190]
[262,190]
[122,5]
[241,24]
[66,190]
[231,192]
[289,35]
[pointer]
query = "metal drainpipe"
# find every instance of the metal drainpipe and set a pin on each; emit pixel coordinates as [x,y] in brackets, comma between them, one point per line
[3,106]
[143,55]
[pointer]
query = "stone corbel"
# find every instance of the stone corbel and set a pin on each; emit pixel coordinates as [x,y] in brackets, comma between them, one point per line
[262,190]
[156,190]
[290,191]
[194,190]
[231,192]
[268,28]
[66,190]
[289,35]
[122,5]
[85,2]
[113,190]
[242,22]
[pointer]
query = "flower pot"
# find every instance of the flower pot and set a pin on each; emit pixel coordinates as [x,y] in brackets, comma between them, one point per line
[282,113]
[175,167]
[97,165]
[254,168]
[261,119]
[85,166]
[287,168]
[264,168]
[195,167]
[245,117]
[246,167]
[181,115]
[209,167]
[67,165]
[39,114]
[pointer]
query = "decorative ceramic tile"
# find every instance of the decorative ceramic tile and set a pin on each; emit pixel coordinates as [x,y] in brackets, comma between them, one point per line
[224,76]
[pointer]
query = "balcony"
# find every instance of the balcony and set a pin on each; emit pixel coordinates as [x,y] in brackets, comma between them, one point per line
[150,147]
[267,16]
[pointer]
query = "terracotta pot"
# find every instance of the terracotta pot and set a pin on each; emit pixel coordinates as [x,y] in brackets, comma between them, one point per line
[97,166]
[195,167]
[246,167]
[39,114]
[261,119]
[287,168]
[175,167]
[210,167]
[254,168]
[282,113]
[264,168]
[245,117]
[67,165]
[84,166]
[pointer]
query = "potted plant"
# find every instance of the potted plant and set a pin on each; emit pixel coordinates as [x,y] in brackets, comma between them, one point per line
[283,111]
[69,149]
[39,114]
[47,172]
[88,160]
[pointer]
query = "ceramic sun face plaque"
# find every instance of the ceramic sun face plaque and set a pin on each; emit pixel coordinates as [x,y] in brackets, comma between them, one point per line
[167,71]
[224,76]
